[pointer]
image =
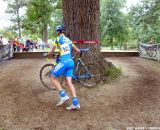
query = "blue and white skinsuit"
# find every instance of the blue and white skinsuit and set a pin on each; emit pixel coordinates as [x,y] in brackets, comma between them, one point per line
[66,64]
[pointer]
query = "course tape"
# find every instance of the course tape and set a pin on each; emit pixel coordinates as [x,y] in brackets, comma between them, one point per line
[86,42]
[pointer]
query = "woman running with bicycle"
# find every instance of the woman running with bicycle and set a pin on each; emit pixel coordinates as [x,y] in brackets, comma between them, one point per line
[65,66]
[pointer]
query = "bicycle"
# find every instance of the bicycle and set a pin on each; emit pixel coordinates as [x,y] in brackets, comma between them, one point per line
[6,52]
[150,50]
[86,74]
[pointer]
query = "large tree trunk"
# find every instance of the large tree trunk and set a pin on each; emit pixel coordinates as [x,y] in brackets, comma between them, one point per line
[81,18]
[45,34]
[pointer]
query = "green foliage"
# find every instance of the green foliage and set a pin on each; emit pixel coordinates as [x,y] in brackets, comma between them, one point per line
[39,10]
[132,44]
[42,13]
[113,73]
[57,18]
[145,20]
[113,22]
[8,33]
[38,16]
[119,29]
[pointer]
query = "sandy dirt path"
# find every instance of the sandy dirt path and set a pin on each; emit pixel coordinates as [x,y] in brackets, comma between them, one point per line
[131,101]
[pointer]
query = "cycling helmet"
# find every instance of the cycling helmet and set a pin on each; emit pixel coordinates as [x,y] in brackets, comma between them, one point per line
[61,28]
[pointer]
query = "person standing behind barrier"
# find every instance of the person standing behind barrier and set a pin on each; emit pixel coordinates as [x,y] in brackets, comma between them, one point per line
[1,40]
[17,44]
[11,49]
[65,66]
[42,45]
[152,41]
[27,45]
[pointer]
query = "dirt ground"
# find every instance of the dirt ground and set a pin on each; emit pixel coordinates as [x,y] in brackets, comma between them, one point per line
[131,102]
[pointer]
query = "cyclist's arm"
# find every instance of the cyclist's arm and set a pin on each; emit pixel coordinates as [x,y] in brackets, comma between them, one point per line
[76,49]
[52,50]
[54,46]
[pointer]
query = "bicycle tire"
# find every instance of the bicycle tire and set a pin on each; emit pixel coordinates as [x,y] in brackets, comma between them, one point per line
[151,52]
[92,78]
[45,74]
[154,52]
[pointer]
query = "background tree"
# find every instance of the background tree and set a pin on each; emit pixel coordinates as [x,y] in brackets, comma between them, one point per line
[114,26]
[42,17]
[8,33]
[38,17]
[56,18]
[13,8]
[144,18]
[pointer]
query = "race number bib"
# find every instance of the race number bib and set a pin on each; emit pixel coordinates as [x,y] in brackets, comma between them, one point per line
[65,48]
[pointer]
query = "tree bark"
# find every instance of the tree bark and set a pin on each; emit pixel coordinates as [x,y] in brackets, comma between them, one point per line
[81,18]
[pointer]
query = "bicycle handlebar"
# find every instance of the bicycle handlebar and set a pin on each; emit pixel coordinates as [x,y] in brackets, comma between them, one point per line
[54,54]
[58,56]
[45,54]
[84,50]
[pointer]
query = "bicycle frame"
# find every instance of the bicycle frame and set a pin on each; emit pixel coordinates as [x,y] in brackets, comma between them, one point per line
[79,64]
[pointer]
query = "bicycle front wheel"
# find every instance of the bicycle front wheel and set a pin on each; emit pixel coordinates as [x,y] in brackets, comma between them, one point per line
[90,75]
[151,52]
[45,73]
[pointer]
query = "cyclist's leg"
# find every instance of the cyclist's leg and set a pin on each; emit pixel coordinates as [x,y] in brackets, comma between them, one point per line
[70,86]
[75,102]
[68,78]
[57,71]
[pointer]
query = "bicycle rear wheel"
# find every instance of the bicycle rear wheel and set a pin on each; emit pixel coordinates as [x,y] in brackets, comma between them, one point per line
[92,76]
[45,72]
[151,52]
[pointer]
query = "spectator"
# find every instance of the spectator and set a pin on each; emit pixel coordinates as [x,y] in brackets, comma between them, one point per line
[152,41]
[42,44]
[1,40]
[17,44]
[27,45]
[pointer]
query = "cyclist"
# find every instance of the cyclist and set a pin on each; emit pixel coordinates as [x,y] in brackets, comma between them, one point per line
[65,66]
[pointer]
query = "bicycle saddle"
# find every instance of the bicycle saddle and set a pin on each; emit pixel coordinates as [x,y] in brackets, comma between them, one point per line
[84,50]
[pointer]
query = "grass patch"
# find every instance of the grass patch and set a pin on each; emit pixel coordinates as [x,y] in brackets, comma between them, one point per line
[113,73]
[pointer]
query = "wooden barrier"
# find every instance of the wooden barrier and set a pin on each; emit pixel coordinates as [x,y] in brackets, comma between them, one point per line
[39,55]
[28,55]
[119,53]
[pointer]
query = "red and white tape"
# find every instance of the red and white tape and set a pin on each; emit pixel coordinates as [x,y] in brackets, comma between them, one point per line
[86,42]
